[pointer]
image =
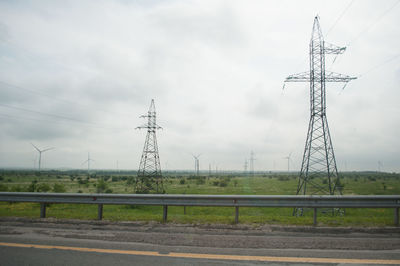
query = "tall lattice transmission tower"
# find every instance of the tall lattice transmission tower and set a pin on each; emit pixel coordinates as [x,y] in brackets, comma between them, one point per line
[319,174]
[149,178]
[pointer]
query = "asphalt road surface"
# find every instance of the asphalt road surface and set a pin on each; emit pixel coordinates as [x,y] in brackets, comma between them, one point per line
[73,242]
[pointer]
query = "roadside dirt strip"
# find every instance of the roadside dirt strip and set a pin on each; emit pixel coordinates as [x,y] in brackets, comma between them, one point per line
[238,242]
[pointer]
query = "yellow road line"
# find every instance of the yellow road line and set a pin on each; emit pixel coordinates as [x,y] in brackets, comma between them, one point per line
[206,256]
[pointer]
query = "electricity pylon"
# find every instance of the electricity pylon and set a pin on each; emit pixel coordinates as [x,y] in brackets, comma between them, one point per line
[149,178]
[40,154]
[319,174]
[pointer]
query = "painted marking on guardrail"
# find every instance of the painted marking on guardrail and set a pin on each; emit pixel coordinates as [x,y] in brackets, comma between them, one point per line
[207,256]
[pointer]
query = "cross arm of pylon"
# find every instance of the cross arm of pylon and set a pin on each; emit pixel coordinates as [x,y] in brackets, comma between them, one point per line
[336,77]
[147,127]
[300,77]
[333,49]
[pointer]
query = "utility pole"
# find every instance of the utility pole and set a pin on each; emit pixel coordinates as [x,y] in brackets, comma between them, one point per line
[149,178]
[245,166]
[318,174]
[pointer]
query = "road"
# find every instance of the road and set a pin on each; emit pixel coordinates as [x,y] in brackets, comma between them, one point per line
[73,242]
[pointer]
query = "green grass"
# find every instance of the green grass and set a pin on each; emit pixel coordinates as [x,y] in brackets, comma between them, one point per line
[267,184]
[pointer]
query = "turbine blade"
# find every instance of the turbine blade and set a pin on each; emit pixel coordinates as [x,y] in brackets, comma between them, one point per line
[35,147]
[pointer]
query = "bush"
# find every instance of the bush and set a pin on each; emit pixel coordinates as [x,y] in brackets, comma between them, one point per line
[3,187]
[201,181]
[17,188]
[101,186]
[223,183]
[283,178]
[32,186]
[44,187]
[182,181]
[59,188]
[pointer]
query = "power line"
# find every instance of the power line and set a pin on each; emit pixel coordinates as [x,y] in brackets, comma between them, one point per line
[366,29]
[56,98]
[54,115]
[340,16]
[380,64]
[14,117]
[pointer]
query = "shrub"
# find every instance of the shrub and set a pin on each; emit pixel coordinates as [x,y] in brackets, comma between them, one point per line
[3,187]
[223,183]
[17,188]
[182,181]
[59,188]
[44,187]
[200,181]
[32,186]
[101,186]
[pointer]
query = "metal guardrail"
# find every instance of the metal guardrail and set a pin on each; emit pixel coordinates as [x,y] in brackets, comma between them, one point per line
[165,200]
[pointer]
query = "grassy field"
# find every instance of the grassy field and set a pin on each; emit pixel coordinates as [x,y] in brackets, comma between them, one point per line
[355,183]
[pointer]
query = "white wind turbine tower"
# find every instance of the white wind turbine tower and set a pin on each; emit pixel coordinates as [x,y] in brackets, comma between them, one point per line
[88,163]
[40,153]
[196,163]
[288,158]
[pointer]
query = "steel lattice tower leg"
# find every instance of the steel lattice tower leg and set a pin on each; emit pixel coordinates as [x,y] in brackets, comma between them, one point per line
[149,178]
[318,174]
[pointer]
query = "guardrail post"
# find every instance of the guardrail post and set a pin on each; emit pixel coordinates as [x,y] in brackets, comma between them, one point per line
[42,210]
[396,216]
[236,214]
[165,213]
[99,211]
[315,216]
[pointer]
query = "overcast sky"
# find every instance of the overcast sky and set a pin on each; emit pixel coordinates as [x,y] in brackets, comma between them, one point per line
[76,75]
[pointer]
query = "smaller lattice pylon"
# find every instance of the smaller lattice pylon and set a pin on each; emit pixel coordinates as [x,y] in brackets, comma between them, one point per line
[149,178]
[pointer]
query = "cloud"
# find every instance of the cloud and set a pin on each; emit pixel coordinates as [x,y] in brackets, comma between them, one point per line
[215,70]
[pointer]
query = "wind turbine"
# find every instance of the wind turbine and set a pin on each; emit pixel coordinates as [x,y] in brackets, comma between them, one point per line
[380,166]
[40,153]
[88,163]
[196,163]
[288,161]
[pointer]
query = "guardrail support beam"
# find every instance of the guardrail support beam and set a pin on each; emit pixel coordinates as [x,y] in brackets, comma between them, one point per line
[165,213]
[396,216]
[42,210]
[236,214]
[315,217]
[100,212]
